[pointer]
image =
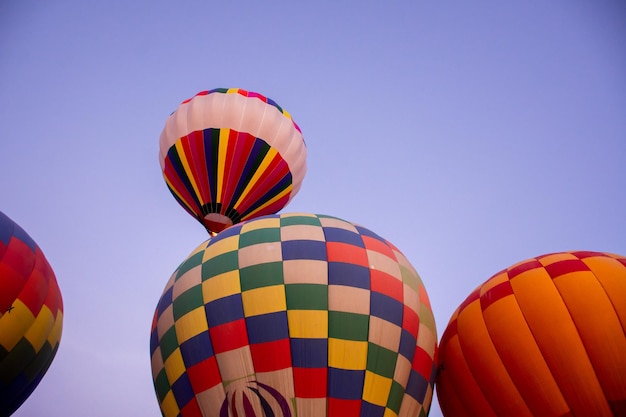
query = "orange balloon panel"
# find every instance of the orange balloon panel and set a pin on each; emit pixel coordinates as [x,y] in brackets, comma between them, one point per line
[544,337]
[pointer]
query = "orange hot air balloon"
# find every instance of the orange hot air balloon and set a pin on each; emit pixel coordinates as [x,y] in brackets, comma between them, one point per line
[229,155]
[544,337]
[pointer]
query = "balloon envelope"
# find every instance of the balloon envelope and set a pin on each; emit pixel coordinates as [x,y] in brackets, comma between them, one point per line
[544,337]
[31,315]
[229,155]
[294,314]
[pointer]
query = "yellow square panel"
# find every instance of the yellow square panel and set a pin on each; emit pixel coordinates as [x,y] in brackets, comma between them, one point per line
[221,286]
[229,244]
[376,388]
[174,366]
[308,323]
[169,405]
[191,324]
[347,354]
[264,300]
[269,223]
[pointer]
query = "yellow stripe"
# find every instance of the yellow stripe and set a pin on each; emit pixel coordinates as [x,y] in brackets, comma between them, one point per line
[271,201]
[14,324]
[38,332]
[55,334]
[183,159]
[267,160]
[221,161]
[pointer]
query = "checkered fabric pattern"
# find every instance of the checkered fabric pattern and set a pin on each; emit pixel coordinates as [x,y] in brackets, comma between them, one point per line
[31,315]
[546,336]
[294,314]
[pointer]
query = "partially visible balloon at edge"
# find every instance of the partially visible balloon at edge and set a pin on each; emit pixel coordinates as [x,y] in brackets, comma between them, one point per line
[31,315]
[543,337]
[229,155]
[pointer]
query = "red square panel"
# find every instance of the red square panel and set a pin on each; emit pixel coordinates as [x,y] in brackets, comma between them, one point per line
[310,382]
[229,336]
[271,356]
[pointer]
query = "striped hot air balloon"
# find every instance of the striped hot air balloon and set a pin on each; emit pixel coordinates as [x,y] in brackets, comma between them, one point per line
[229,155]
[294,315]
[31,315]
[544,337]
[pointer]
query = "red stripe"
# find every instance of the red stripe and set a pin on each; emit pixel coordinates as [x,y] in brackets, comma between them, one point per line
[526,266]
[494,294]
[198,160]
[559,268]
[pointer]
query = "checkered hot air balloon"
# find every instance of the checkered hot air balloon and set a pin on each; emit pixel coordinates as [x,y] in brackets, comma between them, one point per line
[544,337]
[31,315]
[229,155]
[294,315]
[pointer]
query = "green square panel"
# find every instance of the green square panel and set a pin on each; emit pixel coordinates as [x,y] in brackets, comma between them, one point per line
[306,296]
[219,264]
[381,361]
[348,326]
[396,394]
[261,275]
[253,237]
[161,384]
[168,343]
[187,301]
[189,264]
[299,220]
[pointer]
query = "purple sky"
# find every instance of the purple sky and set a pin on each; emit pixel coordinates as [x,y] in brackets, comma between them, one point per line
[471,137]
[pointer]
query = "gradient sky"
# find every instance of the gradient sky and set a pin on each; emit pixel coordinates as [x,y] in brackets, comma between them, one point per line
[471,136]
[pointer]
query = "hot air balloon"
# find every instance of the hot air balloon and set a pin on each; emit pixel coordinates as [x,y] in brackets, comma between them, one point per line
[229,155]
[294,315]
[31,315]
[544,337]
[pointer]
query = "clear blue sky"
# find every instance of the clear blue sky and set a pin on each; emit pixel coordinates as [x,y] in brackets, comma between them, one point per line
[472,135]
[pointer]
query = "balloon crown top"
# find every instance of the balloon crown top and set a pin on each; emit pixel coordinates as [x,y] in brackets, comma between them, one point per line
[246,93]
